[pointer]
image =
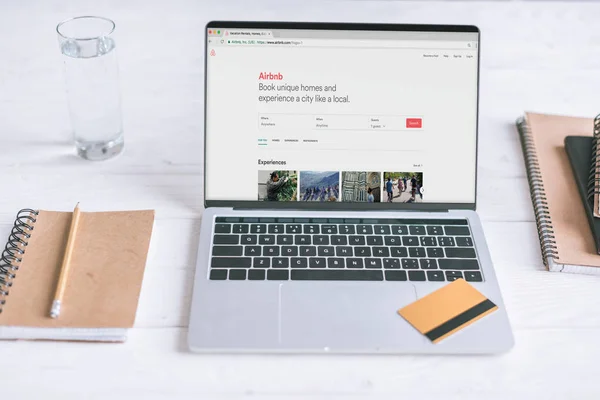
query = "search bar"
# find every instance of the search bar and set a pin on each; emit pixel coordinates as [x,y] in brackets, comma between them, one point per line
[402,44]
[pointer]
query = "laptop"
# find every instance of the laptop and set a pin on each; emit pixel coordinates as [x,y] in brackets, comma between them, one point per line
[340,185]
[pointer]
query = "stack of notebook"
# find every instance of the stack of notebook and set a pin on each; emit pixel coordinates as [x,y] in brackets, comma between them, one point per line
[563,168]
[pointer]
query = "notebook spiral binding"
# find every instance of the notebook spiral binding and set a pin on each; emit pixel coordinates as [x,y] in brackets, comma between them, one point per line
[594,181]
[538,195]
[14,250]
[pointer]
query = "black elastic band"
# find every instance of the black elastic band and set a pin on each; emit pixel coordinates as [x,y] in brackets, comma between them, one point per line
[460,319]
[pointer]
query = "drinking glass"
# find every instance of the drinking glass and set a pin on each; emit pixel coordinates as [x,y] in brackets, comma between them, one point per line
[91,77]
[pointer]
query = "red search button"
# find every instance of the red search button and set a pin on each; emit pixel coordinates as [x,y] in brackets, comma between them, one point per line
[414,122]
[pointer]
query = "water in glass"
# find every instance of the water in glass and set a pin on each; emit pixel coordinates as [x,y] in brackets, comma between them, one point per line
[93,95]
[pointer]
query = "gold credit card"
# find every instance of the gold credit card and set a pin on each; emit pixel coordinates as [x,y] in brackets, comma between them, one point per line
[447,310]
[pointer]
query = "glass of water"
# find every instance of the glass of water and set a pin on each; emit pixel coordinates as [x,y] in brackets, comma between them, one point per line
[91,74]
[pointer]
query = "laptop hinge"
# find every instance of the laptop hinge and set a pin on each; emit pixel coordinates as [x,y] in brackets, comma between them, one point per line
[350,209]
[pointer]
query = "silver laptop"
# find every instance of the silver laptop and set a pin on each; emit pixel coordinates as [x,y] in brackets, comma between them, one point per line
[340,186]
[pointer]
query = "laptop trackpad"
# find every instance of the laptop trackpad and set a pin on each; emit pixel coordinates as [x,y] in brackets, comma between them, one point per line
[344,315]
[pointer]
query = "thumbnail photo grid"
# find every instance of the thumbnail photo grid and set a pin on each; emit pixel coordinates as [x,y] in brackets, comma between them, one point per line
[345,186]
[402,187]
[319,186]
[277,185]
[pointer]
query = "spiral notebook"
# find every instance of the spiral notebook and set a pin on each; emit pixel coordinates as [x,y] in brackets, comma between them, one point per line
[104,282]
[566,240]
[594,185]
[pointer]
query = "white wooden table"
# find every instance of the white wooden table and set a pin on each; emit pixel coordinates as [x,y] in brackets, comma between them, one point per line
[535,56]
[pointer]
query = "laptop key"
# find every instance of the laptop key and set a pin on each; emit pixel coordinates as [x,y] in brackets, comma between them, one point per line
[417,230]
[463,241]
[347,229]
[357,240]
[428,241]
[241,228]
[457,231]
[354,263]
[252,251]
[399,252]
[258,228]
[329,229]
[308,251]
[276,228]
[256,274]
[457,252]
[375,240]
[455,263]
[278,275]
[410,241]
[227,251]
[231,262]
[427,263]
[299,262]
[261,262]
[285,239]
[266,239]
[289,251]
[435,230]
[281,262]
[446,241]
[382,229]
[295,228]
[325,251]
[317,262]
[392,240]
[222,228]
[271,251]
[381,252]
[435,276]
[400,229]
[416,252]
[321,239]
[339,240]
[373,263]
[395,275]
[473,276]
[218,274]
[435,252]
[364,229]
[312,229]
[416,275]
[336,263]
[391,263]
[343,251]
[249,239]
[226,239]
[336,275]
[362,251]
[410,263]
[453,275]
[302,239]
[237,274]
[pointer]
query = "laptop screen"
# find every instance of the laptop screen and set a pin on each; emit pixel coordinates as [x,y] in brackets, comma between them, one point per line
[331,115]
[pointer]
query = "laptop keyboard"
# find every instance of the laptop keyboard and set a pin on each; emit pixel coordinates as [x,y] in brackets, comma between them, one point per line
[326,249]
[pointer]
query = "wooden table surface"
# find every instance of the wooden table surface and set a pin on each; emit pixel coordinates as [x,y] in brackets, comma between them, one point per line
[535,56]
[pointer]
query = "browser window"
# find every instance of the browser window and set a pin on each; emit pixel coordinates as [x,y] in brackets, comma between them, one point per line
[341,116]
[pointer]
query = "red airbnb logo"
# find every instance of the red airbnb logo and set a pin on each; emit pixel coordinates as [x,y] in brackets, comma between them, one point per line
[213,53]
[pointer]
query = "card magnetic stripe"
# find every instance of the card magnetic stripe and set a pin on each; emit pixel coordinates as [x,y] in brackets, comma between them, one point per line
[460,320]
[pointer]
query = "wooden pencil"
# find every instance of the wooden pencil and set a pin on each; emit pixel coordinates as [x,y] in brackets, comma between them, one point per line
[66,265]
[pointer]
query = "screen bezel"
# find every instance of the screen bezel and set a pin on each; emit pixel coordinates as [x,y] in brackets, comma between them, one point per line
[330,206]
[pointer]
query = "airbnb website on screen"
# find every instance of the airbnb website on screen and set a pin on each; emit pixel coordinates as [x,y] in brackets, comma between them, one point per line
[340,120]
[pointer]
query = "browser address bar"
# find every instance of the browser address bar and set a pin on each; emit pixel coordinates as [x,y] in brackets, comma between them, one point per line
[404,44]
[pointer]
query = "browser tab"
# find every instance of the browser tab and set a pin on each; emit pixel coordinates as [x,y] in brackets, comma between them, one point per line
[248,33]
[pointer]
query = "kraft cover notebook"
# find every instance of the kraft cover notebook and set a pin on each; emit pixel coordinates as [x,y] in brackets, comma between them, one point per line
[581,152]
[565,238]
[105,278]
